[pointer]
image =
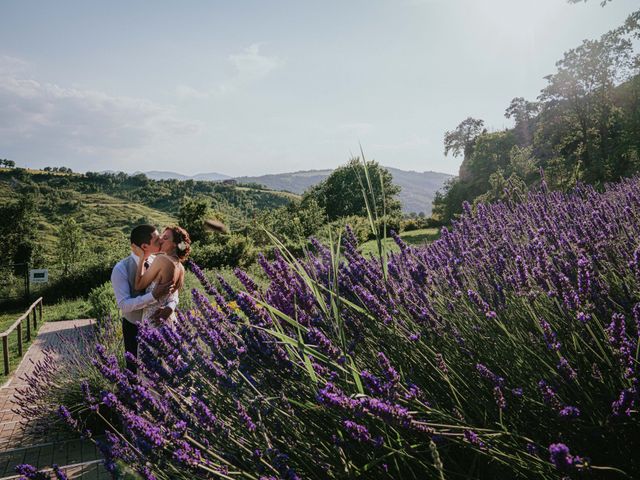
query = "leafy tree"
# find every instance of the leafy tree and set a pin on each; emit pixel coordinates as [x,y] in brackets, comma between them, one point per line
[340,194]
[292,224]
[192,215]
[462,139]
[585,127]
[523,112]
[70,246]
[579,105]
[18,229]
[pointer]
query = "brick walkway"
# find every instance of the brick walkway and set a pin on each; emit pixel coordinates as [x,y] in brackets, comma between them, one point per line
[21,443]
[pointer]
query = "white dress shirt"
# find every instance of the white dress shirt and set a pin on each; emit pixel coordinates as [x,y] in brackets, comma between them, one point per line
[129,302]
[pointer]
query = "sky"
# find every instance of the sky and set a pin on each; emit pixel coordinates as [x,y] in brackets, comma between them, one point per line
[257,87]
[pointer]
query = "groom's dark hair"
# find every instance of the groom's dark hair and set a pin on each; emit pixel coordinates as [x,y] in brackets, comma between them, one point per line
[142,234]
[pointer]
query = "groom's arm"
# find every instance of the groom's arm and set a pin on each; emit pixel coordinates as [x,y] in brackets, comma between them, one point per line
[127,303]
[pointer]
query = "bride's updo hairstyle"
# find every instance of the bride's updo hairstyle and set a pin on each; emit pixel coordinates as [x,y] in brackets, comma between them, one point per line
[182,240]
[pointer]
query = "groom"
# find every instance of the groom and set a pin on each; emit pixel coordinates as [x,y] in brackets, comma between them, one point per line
[130,302]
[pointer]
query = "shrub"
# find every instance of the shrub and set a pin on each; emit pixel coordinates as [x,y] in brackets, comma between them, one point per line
[226,250]
[505,349]
[56,383]
[103,303]
[77,283]
[359,225]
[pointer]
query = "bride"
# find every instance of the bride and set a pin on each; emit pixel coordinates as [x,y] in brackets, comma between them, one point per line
[175,246]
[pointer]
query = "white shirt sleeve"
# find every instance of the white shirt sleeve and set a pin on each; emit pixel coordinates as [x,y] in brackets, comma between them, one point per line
[127,303]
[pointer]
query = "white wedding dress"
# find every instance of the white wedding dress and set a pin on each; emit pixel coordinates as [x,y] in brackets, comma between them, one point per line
[149,310]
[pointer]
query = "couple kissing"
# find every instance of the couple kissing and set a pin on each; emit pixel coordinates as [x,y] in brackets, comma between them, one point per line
[147,282]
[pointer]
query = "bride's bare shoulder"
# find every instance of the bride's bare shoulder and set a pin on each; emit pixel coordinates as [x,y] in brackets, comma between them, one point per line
[166,262]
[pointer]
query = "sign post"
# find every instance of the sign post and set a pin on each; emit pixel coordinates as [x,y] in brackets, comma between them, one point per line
[38,275]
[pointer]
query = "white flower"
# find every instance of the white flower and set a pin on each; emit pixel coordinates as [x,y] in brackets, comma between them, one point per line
[182,246]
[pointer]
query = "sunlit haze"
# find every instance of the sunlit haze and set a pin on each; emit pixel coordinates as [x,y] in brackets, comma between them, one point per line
[254,87]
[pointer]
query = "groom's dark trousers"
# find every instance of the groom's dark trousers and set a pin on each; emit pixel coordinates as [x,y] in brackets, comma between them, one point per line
[130,336]
[130,303]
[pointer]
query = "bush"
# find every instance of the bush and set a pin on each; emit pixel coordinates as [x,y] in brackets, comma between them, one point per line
[359,225]
[55,383]
[78,282]
[226,250]
[103,303]
[392,223]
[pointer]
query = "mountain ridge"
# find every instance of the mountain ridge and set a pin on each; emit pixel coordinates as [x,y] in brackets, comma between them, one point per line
[418,188]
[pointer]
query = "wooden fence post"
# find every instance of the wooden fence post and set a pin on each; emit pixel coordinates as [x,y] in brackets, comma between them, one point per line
[20,339]
[28,319]
[34,319]
[5,354]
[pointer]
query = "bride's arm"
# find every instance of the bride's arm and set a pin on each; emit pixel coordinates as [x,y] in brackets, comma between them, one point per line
[144,280]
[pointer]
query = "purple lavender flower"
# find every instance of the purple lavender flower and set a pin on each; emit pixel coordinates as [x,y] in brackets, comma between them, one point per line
[488,374]
[442,366]
[481,304]
[549,395]
[565,368]
[549,335]
[245,418]
[60,475]
[65,414]
[474,439]
[356,431]
[623,346]
[560,457]
[499,397]
[570,412]
[30,472]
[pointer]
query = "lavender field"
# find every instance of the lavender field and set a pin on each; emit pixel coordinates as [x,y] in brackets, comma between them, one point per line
[508,348]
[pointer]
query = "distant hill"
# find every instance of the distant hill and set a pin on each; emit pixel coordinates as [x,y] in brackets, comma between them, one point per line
[418,188]
[160,175]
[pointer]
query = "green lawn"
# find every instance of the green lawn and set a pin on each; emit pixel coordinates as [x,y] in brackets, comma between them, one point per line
[414,237]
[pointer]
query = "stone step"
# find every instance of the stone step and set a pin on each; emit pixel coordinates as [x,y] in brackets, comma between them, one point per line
[92,470]
[74,453]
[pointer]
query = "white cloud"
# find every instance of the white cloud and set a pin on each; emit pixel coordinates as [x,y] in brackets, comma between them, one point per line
[249,66]
[10,64]
[40,118]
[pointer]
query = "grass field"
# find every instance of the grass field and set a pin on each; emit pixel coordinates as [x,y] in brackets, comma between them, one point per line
[287,195]
[414,237]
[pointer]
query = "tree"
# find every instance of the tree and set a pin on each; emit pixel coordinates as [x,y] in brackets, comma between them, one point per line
[18,229]
[193,212]
[462,139]
[522,112]
[70,246]
[580,116]
[341,195]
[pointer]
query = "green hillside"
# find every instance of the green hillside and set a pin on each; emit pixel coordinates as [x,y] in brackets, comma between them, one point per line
[107,206]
